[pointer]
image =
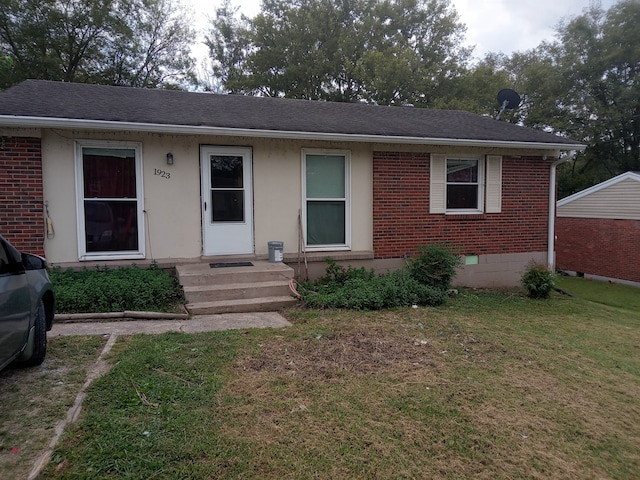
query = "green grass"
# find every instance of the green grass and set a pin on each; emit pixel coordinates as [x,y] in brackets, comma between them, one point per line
[611,294]
[35,399]
[491,385]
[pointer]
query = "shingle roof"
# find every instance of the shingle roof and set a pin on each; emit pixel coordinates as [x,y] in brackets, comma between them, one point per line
[37,99]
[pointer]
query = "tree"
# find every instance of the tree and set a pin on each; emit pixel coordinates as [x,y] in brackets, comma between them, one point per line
[378,51]
[131,42]
[475,89]
[151,47]
[228,44]
[586,85]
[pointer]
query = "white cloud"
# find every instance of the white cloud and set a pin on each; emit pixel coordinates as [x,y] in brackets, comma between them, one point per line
[515,25]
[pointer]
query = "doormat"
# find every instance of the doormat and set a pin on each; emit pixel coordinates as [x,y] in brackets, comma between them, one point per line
[231,264]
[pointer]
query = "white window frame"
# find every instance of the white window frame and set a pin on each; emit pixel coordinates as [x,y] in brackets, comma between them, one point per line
[347,199]
[480,183]
[83,255]
[489,184]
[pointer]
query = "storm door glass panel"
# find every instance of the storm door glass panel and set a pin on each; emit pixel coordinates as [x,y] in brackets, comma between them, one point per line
[326,199]
[227,189]
[110,199]
[462,184]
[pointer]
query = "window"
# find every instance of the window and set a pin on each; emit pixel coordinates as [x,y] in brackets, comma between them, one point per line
[109,193]
[465,184]
[326,199]
[464,180]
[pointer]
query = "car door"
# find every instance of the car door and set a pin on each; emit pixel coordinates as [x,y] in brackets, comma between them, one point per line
[15,303]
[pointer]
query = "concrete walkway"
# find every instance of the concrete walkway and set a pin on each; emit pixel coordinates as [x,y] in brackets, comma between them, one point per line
[198,323]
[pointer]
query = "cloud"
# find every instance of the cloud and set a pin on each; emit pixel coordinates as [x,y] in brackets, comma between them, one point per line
[507,26]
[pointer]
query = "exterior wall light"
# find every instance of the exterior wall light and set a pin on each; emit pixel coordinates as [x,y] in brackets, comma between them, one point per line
[169,158]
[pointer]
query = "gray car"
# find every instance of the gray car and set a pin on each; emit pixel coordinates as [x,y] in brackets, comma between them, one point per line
[27,306]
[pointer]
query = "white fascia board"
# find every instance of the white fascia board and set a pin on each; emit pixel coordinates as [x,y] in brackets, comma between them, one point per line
[600,186]
[48,122]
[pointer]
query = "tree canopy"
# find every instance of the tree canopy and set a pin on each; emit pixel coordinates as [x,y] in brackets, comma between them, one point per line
[586,85]
[386,52]
[142,43]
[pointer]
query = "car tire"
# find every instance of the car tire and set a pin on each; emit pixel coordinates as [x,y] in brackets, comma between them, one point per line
[38,340]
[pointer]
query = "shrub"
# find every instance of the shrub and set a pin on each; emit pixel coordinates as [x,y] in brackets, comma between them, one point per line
[538,280]
[435,265]
[115,290]
[361,289]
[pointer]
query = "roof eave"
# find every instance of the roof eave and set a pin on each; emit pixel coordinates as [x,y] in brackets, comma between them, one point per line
[49,122]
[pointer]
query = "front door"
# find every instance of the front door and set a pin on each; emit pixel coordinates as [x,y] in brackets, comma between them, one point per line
[227,200]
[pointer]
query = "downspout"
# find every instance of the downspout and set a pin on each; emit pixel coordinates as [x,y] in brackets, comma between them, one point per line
[552,215]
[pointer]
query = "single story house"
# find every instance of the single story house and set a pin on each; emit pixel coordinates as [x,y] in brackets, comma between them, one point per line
[598,230]
[100,174]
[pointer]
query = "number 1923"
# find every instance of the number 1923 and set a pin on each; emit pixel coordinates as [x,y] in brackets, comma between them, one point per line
[162,173]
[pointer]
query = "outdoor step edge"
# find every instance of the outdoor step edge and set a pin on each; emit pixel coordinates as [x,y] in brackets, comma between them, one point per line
[241,301]
[264,304]
[234,286]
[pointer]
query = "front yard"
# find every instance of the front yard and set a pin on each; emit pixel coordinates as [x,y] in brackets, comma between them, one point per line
[490,385]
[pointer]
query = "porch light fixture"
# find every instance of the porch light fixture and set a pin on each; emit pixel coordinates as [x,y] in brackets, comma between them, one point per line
[169,158]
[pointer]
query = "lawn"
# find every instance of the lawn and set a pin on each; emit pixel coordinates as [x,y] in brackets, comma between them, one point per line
[35,399]
[491,385]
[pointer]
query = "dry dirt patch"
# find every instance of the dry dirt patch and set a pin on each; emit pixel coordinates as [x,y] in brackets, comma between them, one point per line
[435,395]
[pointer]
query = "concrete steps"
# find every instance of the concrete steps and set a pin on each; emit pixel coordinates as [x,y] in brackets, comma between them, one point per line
[261,287]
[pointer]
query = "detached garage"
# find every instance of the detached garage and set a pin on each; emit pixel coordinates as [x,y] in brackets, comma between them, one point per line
[598,230]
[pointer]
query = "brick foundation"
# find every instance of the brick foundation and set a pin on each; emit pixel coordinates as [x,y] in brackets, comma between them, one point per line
[598,246]
[402,222]
[21,195]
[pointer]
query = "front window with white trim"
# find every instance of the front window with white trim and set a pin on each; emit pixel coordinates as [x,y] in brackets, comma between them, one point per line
[326,197]
[109,200]
[464,184]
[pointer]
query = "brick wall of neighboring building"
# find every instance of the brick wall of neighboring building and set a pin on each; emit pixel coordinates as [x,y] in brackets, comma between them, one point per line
[402,222]
[598,246]
[21,196]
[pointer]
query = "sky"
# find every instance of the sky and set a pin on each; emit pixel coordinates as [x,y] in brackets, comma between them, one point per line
[492,25]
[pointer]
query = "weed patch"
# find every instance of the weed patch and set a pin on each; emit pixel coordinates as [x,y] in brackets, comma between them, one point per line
[360,289]
[115,290]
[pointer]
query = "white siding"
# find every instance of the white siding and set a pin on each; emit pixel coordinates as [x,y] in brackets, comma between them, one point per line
[619,201]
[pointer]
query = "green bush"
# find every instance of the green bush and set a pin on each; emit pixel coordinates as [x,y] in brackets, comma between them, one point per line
[434,265]
[361,289]
[538,280]
[102,290]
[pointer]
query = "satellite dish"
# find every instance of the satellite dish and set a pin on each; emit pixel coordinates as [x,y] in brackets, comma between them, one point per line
[508,99]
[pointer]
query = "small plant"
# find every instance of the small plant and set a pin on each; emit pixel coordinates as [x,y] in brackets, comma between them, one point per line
[435,265]
[538,280]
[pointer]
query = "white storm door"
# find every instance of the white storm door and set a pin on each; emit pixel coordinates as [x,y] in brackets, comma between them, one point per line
[227,200]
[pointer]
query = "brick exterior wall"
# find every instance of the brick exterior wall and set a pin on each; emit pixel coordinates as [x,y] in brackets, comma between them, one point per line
[402,222]
[598,246]
[21,195]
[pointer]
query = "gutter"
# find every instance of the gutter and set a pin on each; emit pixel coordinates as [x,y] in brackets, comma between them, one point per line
[551,242]
[48,122]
